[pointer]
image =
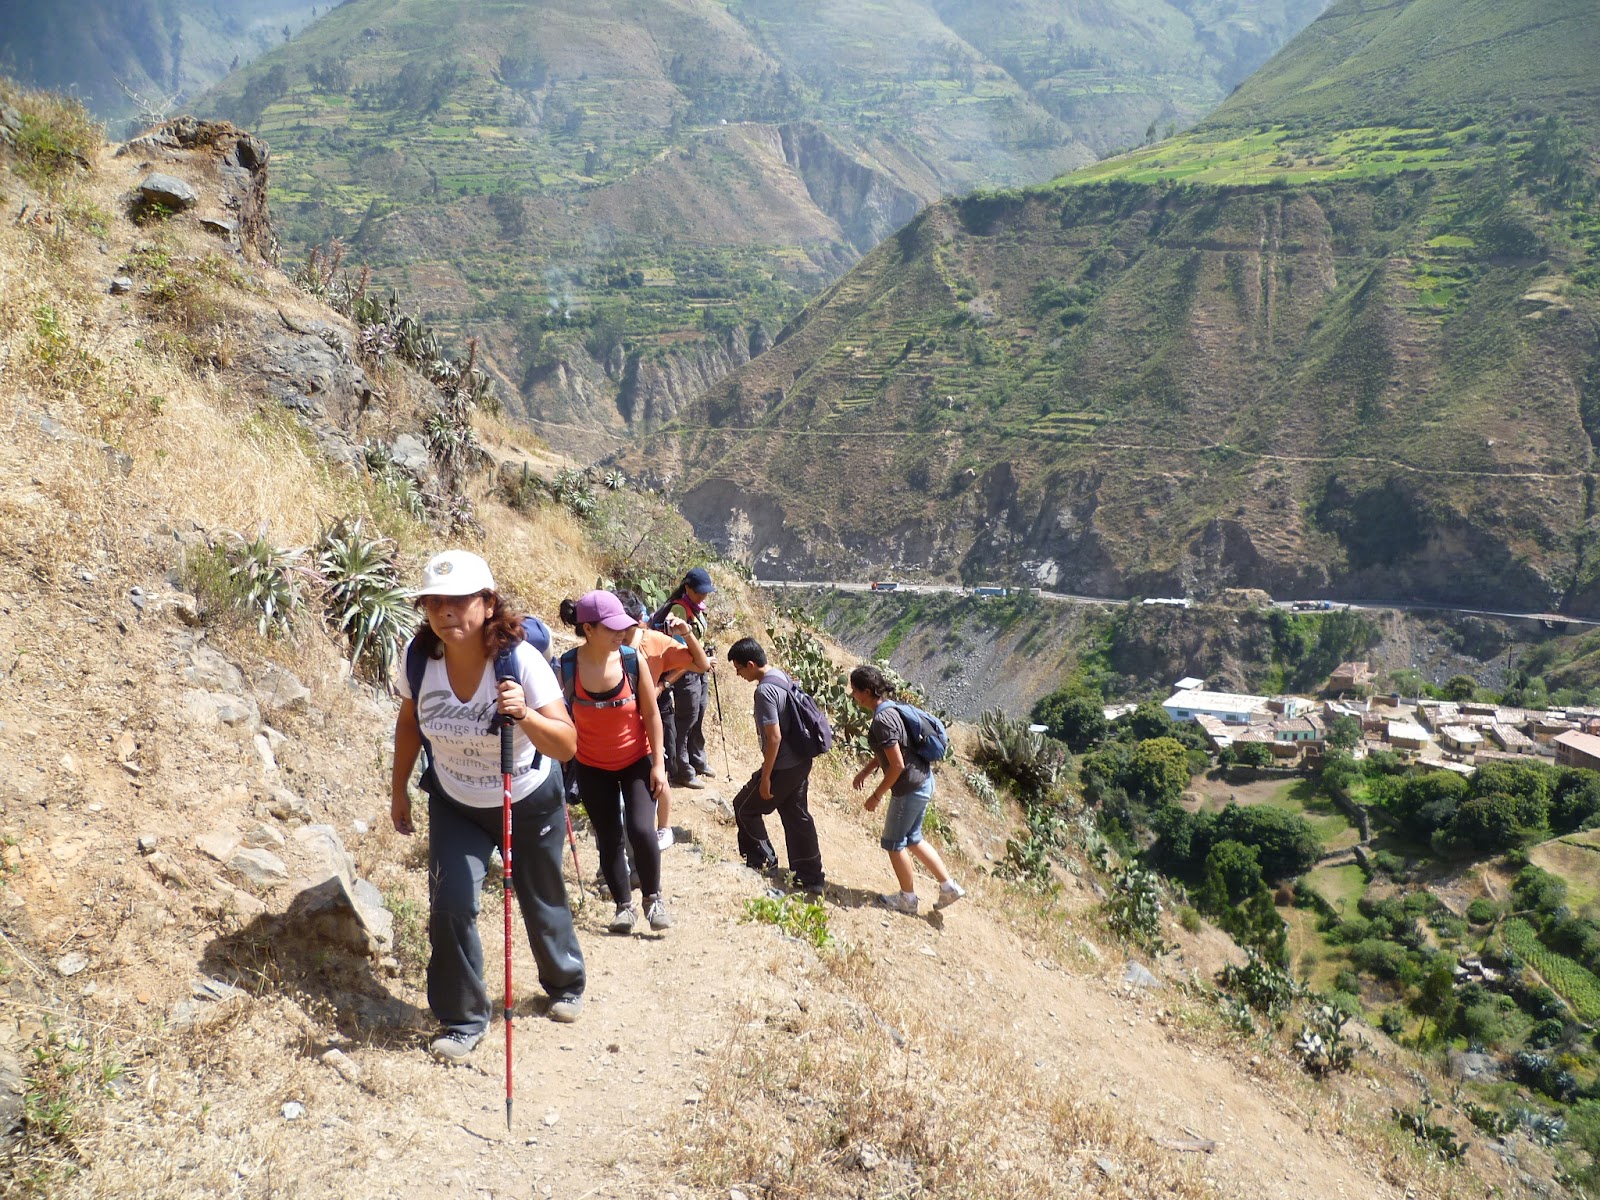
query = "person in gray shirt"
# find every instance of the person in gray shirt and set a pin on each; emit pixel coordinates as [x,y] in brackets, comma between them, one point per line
[782,785]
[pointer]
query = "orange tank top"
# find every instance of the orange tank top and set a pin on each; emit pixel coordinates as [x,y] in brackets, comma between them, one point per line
[611,734]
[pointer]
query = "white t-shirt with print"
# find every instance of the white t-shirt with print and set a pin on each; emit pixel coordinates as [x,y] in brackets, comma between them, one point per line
[466,756]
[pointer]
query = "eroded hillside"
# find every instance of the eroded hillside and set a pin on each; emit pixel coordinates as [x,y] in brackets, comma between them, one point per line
[1352,360]
[628,199]
[192,1008]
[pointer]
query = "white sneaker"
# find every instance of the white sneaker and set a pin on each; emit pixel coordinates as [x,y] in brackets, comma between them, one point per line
[949,892]
[900,902]
[663,838]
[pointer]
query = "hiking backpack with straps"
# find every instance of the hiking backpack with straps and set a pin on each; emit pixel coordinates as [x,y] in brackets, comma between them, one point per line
[811,733]
[534,632]
[567,672]
[926,736]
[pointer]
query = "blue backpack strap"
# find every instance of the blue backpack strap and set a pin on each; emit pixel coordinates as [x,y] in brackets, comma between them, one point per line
[416,667]
[630,667]
[567,671]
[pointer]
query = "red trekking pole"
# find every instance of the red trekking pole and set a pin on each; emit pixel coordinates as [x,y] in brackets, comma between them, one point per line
[505,888]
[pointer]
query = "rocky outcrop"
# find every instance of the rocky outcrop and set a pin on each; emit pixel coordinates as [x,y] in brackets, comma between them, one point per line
[868,204]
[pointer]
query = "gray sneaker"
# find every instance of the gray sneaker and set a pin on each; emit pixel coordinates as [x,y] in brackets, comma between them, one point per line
[899,902]
[623,922]
[454,1047]
[656,913]
[949,893]
[565,1009]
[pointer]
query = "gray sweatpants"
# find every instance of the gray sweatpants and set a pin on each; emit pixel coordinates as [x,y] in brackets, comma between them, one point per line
[460,841]
[688,752]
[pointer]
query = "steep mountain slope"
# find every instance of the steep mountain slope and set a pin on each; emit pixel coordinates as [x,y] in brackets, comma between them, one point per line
[185,1008]
[629,194]
[1303,354]
[161,49]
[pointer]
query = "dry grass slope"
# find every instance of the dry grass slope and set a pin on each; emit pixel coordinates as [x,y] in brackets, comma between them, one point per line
[989,1054]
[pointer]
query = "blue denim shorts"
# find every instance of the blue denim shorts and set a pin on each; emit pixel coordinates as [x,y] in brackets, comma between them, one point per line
[902,825]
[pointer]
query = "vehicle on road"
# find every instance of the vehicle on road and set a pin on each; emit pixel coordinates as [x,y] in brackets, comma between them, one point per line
[1167,601]
[988,589]
[883,585]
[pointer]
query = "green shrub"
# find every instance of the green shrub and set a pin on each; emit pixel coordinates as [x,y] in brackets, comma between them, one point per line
[803,919]
[57,136]
[1482,911]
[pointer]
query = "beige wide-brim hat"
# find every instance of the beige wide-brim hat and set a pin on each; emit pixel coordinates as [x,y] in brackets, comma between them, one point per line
[455,573]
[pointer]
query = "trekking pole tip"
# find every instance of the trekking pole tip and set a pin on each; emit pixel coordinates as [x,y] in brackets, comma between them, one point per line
[508,1112]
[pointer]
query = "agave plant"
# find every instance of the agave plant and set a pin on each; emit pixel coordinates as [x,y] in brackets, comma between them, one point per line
[365,601]
[1008,750]
[615,480]
[266,580]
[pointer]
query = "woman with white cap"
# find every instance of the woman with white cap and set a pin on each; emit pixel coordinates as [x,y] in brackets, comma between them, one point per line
[621,768]
[468,627]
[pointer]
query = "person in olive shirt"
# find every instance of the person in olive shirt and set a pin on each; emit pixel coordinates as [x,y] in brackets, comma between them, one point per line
[782,785]
[686,754]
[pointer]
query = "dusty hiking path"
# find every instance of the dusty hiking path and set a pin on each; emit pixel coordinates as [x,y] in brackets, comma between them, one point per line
[989,1052]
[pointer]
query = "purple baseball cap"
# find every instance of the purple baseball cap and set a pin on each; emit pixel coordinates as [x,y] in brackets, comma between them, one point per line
[603,608]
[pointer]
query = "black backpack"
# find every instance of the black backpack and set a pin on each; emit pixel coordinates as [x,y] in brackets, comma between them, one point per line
[534,631]
[810,731]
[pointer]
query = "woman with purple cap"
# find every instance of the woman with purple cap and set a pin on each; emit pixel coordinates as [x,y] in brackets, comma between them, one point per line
[620,759]
[446,708]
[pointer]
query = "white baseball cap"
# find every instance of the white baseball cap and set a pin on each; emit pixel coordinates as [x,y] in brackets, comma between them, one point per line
[455,573]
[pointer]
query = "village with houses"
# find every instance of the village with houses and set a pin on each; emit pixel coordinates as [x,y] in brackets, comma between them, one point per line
[1440,734]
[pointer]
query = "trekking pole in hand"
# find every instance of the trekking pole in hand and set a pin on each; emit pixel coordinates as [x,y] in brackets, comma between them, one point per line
[577,871]
[506,760]
[722,729]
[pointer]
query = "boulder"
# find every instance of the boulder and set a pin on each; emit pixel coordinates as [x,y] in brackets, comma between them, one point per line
[262,837]
[121,285]
[1138,975]
[208,669]
[331,911]
[168,191]
[219,708]
[280,691]
[1469,1066]
[219,844]
[322,842]
[287,806]
[260,867]
[410,454]
[311,372]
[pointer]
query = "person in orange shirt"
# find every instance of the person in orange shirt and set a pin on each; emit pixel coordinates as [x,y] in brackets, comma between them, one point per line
[620,755]
[669,660]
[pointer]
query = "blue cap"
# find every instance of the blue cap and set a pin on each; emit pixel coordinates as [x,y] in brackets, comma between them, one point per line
[699,580]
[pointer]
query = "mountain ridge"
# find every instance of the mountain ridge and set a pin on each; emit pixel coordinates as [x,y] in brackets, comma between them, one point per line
[1332,362]
[546,161]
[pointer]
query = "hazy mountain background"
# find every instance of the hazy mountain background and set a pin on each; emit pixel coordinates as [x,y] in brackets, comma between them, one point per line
[1342,339]
[161,49]
[627,198]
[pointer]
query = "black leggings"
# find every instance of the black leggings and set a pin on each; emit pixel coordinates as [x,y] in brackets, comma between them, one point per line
[618,799]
